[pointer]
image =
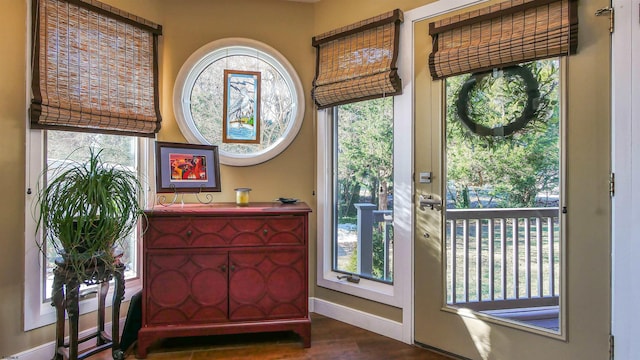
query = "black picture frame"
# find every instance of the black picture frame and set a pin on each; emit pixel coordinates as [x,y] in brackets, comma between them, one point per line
[187,168]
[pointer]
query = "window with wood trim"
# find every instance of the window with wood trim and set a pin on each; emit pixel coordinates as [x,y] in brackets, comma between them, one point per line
[503,34]
[94,75]
[356,86]
[358,62]
[95,68]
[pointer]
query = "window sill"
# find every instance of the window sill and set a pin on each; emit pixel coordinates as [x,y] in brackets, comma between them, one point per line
[367,289]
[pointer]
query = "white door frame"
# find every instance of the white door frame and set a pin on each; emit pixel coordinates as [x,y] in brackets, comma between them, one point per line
[625,153]
[406,71]
[496,341]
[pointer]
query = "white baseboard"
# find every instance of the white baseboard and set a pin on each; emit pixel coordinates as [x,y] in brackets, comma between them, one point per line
[46,351]
[361,319]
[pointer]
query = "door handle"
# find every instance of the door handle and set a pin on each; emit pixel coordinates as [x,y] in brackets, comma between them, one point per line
[429,201]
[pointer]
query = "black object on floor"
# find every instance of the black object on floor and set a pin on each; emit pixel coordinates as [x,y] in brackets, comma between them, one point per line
[133,322]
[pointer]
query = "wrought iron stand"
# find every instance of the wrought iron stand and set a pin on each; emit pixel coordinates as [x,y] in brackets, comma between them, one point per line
[65,296]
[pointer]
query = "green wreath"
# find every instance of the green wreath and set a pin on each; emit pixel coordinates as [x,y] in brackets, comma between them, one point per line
[529,112]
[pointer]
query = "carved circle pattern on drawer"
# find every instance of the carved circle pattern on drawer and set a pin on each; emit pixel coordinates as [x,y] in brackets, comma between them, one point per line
[247,294]
[265,230]
[163,315]
[214,232]
[189,311]
[166,233]
[242,232]
[285,284]
[207,287]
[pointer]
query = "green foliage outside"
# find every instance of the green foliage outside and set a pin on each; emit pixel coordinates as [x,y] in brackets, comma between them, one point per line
[489,171]
[365,154]
[516,171]
[365,168]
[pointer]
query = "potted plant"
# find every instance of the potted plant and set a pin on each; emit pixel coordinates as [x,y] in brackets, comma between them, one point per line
[85,210]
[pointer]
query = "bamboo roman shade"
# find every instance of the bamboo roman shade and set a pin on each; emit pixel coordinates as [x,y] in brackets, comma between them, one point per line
[95,68]
[504,34]
[358,62]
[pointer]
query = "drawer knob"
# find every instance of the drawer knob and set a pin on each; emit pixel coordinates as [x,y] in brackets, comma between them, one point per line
[265,231]
[223,268]
[189,232]
[233,267]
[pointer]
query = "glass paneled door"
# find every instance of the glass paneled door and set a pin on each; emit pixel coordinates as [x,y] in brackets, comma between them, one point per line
[503,193]
[511,238]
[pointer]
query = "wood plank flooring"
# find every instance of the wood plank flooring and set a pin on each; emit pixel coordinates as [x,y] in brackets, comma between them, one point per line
[330,339]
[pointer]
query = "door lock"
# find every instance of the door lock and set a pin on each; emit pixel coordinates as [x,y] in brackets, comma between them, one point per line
[429,201]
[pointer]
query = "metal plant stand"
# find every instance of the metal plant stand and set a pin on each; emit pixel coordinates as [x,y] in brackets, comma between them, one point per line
[65,297]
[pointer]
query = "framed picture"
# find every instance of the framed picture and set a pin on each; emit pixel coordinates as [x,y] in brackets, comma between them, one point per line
[241,107]
[187,168]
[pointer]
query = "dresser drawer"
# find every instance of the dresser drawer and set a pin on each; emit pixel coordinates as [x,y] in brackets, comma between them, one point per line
[198,232]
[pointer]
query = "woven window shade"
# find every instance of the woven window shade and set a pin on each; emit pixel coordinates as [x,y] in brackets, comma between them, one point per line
[504,34]
[358,62]
[95,68]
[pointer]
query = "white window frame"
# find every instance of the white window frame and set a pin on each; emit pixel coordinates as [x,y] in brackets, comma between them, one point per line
[400,294]
[385,293]
[36,312]
[218,49]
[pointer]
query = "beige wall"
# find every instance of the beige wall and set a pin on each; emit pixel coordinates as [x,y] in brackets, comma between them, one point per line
[195,23]
[13,84]
[332,14]
[187,25]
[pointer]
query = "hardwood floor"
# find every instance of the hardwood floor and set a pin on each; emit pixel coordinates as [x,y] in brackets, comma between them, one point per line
[331,339]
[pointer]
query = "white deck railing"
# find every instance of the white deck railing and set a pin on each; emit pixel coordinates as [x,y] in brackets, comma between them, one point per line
[502,258]
[495,258]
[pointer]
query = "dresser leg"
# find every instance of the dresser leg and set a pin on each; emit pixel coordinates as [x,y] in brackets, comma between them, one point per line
[143,345]
[304,331]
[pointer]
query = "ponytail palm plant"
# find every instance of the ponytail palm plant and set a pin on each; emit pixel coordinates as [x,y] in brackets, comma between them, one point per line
[85,210]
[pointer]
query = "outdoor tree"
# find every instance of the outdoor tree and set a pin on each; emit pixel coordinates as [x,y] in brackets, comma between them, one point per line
[503,171]
[365,152]
[365,172]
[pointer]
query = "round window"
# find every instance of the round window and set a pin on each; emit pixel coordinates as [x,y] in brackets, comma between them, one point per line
[199,99]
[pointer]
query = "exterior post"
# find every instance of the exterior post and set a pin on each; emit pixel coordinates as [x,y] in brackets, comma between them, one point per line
[365,238]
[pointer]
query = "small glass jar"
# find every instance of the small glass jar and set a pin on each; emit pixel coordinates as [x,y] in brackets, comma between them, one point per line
[242,196]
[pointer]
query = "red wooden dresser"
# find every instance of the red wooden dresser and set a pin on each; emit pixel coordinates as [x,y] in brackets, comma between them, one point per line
[223,269]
